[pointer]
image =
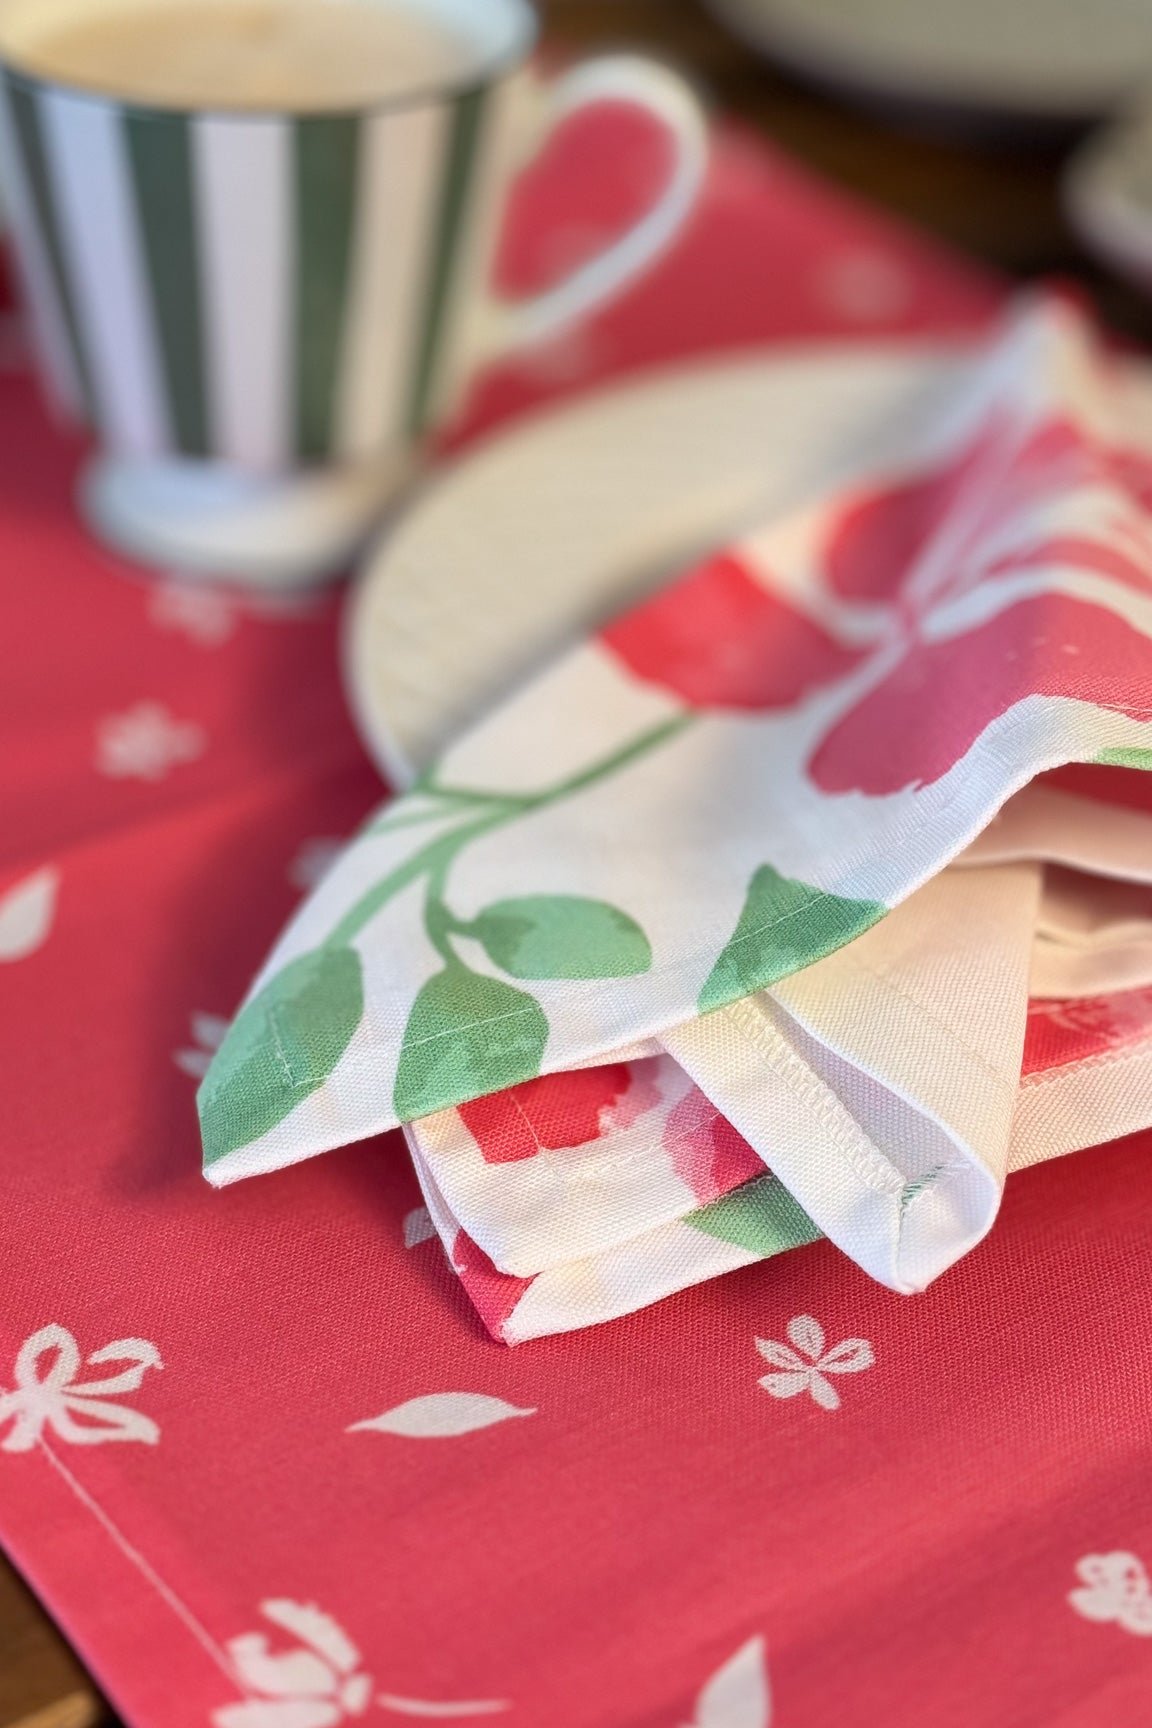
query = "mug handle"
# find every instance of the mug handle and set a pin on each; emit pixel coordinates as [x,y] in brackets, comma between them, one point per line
[507,325]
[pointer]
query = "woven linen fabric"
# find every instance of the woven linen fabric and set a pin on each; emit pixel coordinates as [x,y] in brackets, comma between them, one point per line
[322,1494]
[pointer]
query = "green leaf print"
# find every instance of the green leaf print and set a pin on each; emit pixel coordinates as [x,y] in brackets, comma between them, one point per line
[761,1216]
[1125,756]
[280,1048]
[785,925]
[467,1035]
[562,936]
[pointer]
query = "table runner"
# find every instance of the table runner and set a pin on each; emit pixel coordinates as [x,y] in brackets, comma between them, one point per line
[648,1536]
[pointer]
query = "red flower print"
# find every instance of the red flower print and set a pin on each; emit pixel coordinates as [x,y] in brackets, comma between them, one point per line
[718,639]
[544,1115]
[878,540]
[1076,552]
[493,1293]
[705,1149]
[1059,1033]
[928,541]
[1132,470]
[921,720]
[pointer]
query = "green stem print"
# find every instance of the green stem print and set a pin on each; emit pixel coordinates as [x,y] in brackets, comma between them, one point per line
[1129,756]
[467,1032]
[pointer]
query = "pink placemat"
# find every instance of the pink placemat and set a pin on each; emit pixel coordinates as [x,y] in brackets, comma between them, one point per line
[256,1452]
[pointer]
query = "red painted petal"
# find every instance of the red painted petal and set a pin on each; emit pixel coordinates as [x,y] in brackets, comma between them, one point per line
[717,639]
[1060,1033]
[1132,470]
[1075,551]
[557,1110]
[705,1149]
[916,725]
[493,1293]
[877,539]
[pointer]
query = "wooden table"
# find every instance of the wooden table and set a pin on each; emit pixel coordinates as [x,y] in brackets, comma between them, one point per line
[1000,206]
[1003,208]
[42,1685]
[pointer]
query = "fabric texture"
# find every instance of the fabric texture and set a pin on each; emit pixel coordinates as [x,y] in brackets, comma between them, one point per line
[290,1510]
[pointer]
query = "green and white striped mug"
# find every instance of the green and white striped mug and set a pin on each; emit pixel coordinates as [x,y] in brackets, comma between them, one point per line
[261,315]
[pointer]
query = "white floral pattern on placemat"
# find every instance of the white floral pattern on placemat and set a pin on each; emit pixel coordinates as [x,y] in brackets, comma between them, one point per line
[1114,1587]
[316,1683]
[319,1681]
[48,1396]
[805,1368]
[207,1036]
[145,741]
[442,1416]
[738,1694]
[26,913]
[204,615]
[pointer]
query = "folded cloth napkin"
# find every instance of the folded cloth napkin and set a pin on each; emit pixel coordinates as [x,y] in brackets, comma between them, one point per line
[883,1084]
[863,1074]
[556,1169]
[636,857]
[1086,1064]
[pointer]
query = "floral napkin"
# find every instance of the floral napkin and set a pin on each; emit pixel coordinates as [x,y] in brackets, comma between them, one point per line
[1089,1080]
[1093,933]
[633,862]
[581,1196]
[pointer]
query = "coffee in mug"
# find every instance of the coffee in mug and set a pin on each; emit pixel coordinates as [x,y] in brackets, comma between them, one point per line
[301,55]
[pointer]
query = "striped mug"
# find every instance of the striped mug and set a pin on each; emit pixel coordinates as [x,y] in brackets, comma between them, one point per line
[262,315]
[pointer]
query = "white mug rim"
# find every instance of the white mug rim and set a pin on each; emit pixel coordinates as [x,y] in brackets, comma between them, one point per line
[480,75]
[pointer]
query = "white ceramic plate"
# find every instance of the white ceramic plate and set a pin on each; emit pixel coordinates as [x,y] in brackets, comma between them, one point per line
[1108,194]
[1039,60]
[549,528]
